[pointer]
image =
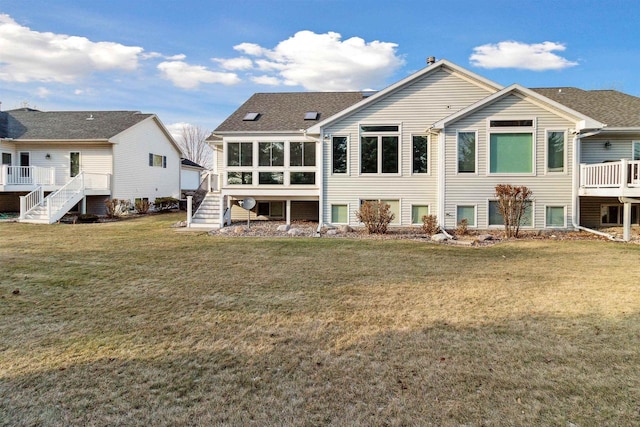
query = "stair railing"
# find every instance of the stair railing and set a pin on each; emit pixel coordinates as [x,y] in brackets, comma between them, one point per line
[30,201]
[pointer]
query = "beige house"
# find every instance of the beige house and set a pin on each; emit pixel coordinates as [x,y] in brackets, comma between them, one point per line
[55,161]
[436,142]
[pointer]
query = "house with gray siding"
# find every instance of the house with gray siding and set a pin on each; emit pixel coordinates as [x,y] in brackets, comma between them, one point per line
[55,161]
[436,142]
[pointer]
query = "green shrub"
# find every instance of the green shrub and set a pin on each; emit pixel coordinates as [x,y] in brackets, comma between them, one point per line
[376,216]
[430,224]
[166,203]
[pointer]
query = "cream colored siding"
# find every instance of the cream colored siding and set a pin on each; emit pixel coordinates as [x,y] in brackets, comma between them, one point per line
[133,177]
[590,209]
[549,189]
[414,109]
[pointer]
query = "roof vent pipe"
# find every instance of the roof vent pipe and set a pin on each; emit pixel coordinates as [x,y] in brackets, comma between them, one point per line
[431,60]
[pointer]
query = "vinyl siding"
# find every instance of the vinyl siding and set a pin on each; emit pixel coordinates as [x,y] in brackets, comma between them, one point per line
[414,108]
[132,175]
[549,189]
[590,209]
[594,151]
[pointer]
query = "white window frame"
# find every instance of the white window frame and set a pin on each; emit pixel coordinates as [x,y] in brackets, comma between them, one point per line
[474,131]
[346,172]
[331,212]
[226,154]
[11,156]
[397,134]
[417,204]
[565,169]
[428,172]
[564,207]
[79,162]
[288,155]
[515,129]
[379,199]
[475,214]
[526,227]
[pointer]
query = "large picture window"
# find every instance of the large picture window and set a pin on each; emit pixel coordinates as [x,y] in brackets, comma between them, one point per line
[302,154]
[240,154]
[339,154]
[419,154]
[555,151]
[466,152]
[379,147]
[511,153]
[271,154]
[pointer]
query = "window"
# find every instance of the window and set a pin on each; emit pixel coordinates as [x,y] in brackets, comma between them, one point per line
[636,150]
[555,217]
[74,163]
[511,123]
[468,213]
[379,149]
[495,217]
[466,152]
[156,160]
[271,154]
[302,154]
[302,178]
[555,151]
[394,208]
[6,159]
[339,214]
[250,117]
[511,153]
[420,154]
[311,115]
[239,178]
[614,214]
[271,209]
[240,154]
[339,154]
[417,212]
[271,178]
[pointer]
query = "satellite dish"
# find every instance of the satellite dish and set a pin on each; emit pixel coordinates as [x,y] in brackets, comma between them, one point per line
[248,203]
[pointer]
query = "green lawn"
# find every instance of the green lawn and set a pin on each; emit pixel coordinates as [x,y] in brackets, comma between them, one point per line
[131,323]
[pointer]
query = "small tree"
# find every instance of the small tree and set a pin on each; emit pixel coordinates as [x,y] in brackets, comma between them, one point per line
[430,224]
[513,202]
[192,142]
[376,216]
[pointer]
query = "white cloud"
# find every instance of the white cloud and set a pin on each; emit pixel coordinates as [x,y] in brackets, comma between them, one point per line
[29,55]
[188,76]
[512,54]
[42,92]
[175,129]
[235,63]
[325,62]
[267,80]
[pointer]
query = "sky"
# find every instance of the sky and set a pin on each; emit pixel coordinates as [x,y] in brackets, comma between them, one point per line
[196,61]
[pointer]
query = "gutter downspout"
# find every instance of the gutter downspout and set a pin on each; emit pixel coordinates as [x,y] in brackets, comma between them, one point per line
[575,201]
[320,171]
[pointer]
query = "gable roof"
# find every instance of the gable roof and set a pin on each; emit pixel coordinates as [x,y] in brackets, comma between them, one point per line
[187,162]
[615,109]
[285,111]
[541,100]
[439,65]
[28,124]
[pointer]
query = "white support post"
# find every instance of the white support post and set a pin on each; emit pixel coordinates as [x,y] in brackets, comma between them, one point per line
[83,206]
[624,170]
[5,175]
[208,182]
[288,211]
[52,176]
[23,206]
[626,222]
[189,209]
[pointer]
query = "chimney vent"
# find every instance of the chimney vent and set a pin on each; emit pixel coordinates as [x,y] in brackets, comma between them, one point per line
[431,60]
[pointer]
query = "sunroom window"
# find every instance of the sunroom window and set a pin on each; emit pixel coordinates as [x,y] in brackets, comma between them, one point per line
[302,154]
[271,154]
[636,150]
[379,147]
[240,154]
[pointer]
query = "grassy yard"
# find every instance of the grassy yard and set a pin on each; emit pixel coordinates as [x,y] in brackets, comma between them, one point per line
[131,323]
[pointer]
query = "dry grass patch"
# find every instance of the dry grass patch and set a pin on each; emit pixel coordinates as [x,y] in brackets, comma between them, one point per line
[132,323]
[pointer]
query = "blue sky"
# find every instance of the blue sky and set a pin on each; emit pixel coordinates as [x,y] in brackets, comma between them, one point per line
[197,61]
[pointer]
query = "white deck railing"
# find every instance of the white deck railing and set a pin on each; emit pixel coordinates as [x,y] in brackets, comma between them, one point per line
[97,181]
[30,201]
[625,173]
[211,181]
[27,175]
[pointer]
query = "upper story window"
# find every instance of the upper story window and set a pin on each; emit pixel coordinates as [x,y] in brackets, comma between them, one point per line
[379,148]
[240,154]
[555,151]
[636,150]
[74,163]
[466,152]
[339,154]
[420,156]
[271,154]
[511,146]
[156,160]
[302,154]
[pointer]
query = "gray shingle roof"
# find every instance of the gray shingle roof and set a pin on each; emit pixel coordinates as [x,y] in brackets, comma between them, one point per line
[285,111]
[615,109]
[66,125]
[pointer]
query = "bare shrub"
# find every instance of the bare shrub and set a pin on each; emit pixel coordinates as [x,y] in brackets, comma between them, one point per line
[463,227]
[513,202]
[376,216]
[142,206]
[430,224]
[117,207]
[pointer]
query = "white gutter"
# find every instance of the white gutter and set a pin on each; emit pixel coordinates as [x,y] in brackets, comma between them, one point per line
[575,201]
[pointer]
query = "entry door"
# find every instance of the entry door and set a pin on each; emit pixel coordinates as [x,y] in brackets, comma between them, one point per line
[25,172]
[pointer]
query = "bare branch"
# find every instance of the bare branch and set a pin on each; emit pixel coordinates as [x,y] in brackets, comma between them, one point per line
[192,143]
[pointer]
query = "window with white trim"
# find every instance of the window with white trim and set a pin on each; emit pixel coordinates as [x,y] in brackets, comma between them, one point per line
[240,154]
[268,178]
[556,143]
[555,217]
[379,149]
[339,214]
[495,217]
[467,152]
[467,212]
[240,178]
[74,163]
[417,212]
[420,155]
[339,154]
[302,153]
[636,150]
[271,154]
[394,208]
[302,178]
[156,160]
[511,146]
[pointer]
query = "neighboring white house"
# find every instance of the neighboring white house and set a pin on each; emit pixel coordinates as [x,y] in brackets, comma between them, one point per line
[190,175]
[53,161]
[436,142]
